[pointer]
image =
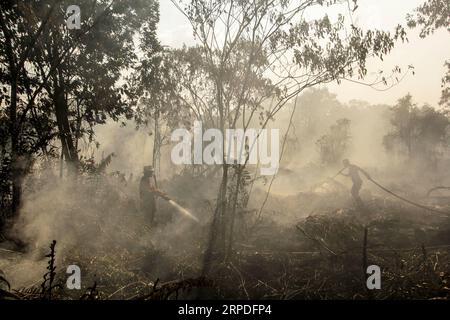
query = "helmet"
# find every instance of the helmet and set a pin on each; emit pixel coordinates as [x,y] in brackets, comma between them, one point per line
[148,170]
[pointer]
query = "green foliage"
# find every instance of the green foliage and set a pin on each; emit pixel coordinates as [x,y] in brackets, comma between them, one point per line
[417,132]
[431,16]
[58,83]
[85,64]
[248,68]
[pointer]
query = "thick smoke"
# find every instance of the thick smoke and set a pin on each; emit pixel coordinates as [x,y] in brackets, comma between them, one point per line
[101,213]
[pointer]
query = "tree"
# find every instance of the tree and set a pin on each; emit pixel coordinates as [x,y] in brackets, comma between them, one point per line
[68,79]
[314,105]
[18,96]
[403,122]
[255,56]
[159,104]
[433,15]
[84,88]
[417,133]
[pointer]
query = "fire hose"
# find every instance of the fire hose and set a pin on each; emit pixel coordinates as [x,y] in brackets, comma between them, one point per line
[404,199]
[175,205]
[437,188]
[400,197]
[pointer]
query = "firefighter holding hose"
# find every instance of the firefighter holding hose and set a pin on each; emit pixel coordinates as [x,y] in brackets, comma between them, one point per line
[147,194]
[353,173]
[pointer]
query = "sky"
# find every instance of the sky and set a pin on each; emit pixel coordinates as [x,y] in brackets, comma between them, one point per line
[426,55]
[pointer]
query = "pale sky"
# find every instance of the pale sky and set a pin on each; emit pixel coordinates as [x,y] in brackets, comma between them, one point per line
[426,55]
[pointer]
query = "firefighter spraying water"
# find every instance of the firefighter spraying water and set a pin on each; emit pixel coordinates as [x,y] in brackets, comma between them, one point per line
[148,192]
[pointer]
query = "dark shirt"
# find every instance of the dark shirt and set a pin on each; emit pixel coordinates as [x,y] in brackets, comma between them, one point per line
[353,172]
[145,190]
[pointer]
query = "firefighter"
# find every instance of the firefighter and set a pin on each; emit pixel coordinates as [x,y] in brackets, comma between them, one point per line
[353,173]
[147,195]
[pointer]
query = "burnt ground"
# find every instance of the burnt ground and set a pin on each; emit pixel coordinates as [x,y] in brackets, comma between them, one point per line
[310,254]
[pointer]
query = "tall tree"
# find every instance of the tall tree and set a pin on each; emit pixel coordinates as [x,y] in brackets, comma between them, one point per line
[257,55]
[73,79]
[19,92]
[158,103]
[82,69]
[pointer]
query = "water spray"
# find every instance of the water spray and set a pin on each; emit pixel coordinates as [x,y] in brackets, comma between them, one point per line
[175,205]
[183,210]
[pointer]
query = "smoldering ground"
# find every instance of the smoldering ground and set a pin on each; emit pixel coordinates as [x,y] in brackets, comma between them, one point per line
[98,224]
[99,217]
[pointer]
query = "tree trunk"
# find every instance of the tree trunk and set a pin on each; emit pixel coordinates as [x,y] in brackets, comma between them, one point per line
[217,235]
[233,214]
[16,173]
[156,143]
[216,241]
[62,119]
